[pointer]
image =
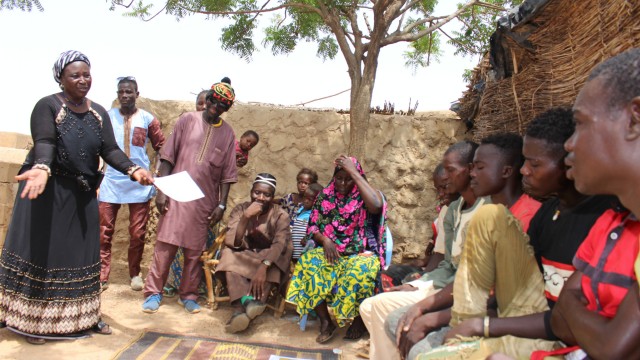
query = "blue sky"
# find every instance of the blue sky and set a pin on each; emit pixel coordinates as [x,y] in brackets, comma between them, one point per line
[172,60]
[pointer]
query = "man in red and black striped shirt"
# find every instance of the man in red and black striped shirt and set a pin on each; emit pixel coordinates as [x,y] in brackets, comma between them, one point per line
[599,307]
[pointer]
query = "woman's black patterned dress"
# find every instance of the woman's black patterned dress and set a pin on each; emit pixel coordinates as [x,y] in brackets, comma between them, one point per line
[50,263]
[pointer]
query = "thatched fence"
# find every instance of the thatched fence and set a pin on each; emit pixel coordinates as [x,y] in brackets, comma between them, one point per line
[543,60]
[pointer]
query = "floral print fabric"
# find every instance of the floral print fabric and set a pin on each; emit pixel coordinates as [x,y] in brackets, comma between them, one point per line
[342,218]
[352,278]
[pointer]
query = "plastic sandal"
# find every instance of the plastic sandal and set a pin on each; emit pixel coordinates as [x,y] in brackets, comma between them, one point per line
[102,328]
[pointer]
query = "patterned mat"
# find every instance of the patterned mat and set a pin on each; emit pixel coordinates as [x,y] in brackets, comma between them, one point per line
[154,345]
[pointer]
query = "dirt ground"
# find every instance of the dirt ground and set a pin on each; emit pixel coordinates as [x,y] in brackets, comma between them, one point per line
[121,308]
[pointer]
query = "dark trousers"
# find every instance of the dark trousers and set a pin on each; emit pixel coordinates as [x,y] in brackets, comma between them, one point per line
[163,255]
[138,217]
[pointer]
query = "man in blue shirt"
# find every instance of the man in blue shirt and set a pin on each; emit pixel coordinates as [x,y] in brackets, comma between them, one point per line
[132,127]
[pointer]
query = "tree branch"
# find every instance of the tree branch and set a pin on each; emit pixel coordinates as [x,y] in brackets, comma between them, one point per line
[400,22]
[391,12]
[470,49]
[282,21]
[262,8]
[350,38]
[240,12]
[366,21]
[408,6]
[411,26]
[491,6]
[333,23]
[406,36]
[158,13]
[119,3]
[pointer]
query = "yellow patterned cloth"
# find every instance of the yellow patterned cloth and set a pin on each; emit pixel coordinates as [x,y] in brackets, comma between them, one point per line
[343,285]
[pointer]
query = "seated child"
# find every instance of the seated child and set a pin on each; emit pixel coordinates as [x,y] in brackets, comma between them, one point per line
[247,141]
[301,219]
[201,102]
[292,202]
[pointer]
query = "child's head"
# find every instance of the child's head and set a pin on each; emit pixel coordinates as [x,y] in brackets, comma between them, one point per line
[248,140]
[309,197]
[201,102]
[305,178]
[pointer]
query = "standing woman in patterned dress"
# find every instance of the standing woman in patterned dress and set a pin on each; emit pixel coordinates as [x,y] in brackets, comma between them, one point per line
[50,263]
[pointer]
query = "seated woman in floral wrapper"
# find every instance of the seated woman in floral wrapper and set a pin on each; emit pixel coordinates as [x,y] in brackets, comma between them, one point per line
[347,224]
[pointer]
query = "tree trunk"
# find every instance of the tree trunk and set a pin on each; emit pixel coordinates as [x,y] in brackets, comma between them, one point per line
[361,93]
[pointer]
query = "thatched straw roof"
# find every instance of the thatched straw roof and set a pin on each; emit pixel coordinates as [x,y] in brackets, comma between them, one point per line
[541,55]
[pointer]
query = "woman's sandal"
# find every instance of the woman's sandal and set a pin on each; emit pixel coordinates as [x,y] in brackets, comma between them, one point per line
[35,341]
[101,328]
[326,335]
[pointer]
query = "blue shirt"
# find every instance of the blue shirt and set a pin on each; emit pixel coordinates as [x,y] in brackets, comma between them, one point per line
[116,187]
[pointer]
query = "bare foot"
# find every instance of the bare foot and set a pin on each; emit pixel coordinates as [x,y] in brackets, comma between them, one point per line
[356,330]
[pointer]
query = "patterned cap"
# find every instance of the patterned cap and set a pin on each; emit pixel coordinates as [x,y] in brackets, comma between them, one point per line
[223,92]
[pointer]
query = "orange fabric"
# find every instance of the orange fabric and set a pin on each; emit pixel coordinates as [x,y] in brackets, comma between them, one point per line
[541,354]
[524,209]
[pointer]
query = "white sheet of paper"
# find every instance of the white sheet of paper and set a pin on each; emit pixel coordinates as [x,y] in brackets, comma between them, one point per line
[179,187]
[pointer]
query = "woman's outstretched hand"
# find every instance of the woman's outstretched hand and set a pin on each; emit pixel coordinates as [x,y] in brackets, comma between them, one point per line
[143,177]
[36,182]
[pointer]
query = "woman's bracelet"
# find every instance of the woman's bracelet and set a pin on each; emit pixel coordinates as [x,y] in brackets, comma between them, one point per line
[132,170]
[486,326]
[42,167]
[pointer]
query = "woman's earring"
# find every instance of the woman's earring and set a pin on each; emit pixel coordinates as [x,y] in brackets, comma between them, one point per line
[61,87]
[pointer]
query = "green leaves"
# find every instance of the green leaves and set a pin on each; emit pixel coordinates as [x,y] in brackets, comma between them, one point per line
[298,24]
[479,22]
[24,5]
[428,6]
[309,20]
[423,51]
[327,48]
[140,10]
[237,38]
[282,39]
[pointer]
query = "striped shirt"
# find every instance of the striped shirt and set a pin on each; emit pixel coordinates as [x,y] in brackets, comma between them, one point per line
[299,230]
